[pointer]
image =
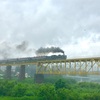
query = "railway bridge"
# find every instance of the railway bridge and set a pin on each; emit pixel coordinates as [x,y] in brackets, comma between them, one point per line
[75,66]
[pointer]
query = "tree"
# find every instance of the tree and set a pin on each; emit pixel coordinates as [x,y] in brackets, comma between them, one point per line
[47,92]
[60,84]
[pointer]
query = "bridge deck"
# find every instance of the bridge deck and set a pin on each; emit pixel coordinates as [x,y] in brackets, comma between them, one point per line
[77,66]
[26,61]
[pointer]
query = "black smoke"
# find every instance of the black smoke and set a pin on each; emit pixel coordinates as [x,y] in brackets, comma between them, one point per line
[48,50]
[23,46]
[16,50]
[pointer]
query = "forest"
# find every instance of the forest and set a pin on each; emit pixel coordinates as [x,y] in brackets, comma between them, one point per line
[53,88]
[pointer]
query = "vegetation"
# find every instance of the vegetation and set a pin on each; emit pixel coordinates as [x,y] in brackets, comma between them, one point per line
[61,89]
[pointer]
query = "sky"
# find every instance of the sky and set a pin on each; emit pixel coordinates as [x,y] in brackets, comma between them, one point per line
[72,25]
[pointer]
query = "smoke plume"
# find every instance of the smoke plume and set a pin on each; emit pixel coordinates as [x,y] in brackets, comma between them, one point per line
[48,50]
[13,50]
[23,46]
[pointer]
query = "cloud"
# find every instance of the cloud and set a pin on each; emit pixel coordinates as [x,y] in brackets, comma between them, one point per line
[84,47]
[68,24]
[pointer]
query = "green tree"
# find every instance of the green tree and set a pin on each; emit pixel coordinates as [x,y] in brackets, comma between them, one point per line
[19,90]
[47,91]
[60,84]
[66,94]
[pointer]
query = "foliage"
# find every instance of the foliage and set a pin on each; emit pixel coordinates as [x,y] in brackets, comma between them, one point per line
[47,91]
[60,84]
[62,89]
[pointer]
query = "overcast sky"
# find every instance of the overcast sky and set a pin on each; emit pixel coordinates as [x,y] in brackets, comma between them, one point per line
[73,25]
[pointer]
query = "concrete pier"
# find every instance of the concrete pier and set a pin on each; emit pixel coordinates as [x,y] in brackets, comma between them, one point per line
[22,72]
[8,72]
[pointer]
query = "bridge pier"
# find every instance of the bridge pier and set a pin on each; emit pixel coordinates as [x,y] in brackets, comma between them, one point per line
[39,78]
[22,72]
[8,72]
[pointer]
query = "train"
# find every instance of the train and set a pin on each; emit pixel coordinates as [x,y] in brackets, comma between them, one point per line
[35,59]
[43,58]
[52,57]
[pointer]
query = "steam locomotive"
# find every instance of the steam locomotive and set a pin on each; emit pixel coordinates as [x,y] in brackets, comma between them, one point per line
[53,57]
